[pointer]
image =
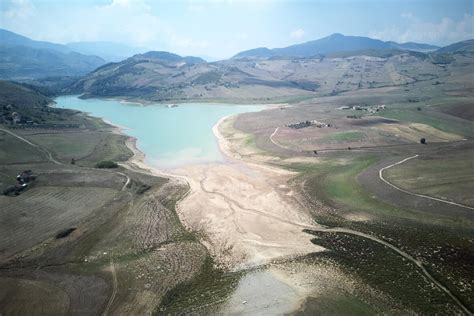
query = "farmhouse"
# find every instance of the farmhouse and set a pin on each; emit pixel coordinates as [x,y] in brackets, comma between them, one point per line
[16,118]
[370,109]
[308,124]
[22,182]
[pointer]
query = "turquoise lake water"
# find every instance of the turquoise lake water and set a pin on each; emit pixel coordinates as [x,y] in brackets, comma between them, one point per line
[169,137]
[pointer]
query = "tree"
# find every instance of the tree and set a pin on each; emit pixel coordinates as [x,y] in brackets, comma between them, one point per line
[106,164]
[73,161]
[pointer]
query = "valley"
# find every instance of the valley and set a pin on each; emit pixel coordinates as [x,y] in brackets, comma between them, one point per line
[328,182]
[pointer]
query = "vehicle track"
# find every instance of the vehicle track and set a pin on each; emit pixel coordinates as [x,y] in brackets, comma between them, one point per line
[405,255]
[50,157]
[324,229]
[402,253]
[413,193]
[45,151]
[114,289]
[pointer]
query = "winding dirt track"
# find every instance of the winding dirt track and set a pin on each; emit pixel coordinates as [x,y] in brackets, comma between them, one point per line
[340,230]
[402,253]
[45,151]
[232,202]
[413,193]
[50,157]
[114,289]
[405,255]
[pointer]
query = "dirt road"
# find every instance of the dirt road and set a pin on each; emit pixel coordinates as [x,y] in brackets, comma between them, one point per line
[413,193]
[50,157]
[114,288]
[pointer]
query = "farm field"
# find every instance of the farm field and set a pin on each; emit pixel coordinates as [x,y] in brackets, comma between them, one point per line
[81,240]
[43,212]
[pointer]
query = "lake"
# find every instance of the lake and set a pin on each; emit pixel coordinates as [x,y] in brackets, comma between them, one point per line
[169,137]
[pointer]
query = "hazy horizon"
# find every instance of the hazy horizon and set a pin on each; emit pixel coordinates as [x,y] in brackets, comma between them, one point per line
[222,28]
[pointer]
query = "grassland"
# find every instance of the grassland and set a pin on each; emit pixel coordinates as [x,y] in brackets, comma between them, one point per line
[411,227]
[437,174]
[343,189]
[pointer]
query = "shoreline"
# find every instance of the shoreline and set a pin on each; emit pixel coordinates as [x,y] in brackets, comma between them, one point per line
[142,102]
[247,252]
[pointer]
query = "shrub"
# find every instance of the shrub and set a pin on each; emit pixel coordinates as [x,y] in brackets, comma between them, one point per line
[106,164]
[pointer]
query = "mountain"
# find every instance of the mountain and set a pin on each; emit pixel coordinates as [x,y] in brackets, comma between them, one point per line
[109,51]
[22,58]
[261,52]
[22,63]
[10,39]
[334,43]
[460,47]
[416,47]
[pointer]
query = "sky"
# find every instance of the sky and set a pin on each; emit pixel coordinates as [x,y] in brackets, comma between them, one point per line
[222,28]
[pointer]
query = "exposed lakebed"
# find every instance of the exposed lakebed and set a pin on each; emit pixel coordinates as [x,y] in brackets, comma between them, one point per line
[177,137]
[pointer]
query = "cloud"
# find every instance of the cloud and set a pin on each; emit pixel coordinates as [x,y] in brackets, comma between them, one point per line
[125,21]
[196,8]
[442,32]
[299,33]
[17,9]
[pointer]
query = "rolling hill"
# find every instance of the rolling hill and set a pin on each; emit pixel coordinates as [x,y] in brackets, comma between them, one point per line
[161,76]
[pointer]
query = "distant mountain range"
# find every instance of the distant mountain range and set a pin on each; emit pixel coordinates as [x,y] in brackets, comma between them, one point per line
[460,47]
[10,39]
[109,51]
[22,58]
[332,44]
[257,73]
